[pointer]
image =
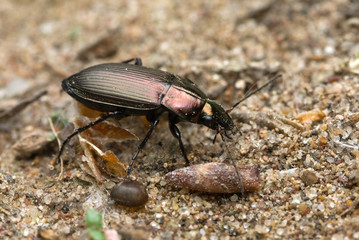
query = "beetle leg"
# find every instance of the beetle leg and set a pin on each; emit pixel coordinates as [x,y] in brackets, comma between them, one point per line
[138,61]
[215,137]
[141,146]
[240,183]
[81,129]
[226,134]
[177,134]
[240,133]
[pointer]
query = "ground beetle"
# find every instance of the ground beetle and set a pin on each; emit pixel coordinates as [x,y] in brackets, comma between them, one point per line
[124,89]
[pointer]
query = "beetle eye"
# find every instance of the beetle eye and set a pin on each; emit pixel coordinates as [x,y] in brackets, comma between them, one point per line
[207,118]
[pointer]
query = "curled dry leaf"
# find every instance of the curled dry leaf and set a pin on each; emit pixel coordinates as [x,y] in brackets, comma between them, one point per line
[95,139]
[90,160]
[310,116]
[215,178]
[111,164]
[31,144]
[96,157]
[107,160]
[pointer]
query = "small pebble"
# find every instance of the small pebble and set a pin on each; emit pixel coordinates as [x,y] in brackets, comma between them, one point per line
[309,177]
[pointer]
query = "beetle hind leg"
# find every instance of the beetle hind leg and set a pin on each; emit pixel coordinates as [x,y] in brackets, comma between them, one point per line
[80,130]
[141,146]
[177,134]
[138,61]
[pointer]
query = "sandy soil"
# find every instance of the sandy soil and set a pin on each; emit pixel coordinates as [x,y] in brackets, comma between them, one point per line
[301,131]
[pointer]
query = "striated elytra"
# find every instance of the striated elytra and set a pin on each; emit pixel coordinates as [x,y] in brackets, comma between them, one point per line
[129,193]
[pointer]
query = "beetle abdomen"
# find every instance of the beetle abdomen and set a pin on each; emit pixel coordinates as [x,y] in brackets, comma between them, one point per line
[115,85]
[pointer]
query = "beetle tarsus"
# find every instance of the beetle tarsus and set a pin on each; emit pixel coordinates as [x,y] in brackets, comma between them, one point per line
[177,134]
[141,146]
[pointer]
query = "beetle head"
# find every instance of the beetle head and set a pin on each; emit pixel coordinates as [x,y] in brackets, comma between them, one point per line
[215,117]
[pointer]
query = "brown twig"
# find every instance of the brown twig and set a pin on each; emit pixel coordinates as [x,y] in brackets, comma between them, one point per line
[6,115]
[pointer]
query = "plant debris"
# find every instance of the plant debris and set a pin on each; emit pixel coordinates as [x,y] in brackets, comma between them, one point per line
[31,144]
[215,178]
[20,106]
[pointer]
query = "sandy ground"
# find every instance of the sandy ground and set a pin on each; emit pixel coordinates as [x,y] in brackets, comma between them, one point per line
[301,131]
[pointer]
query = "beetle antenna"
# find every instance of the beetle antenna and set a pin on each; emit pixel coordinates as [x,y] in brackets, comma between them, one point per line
[234,165]
[250,93]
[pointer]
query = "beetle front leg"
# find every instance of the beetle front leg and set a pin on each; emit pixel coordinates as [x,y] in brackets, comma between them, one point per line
[138,61]
[141,146]
[177,134]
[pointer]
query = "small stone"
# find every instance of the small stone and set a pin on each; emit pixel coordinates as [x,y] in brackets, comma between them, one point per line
[312,193]
[321,207]
[175,206]
[47,199]
[48,234]
[260,229]
[234,198]
[154,224]
[302,207]
[296,199]
[309,177]
[280,231]
[322,140]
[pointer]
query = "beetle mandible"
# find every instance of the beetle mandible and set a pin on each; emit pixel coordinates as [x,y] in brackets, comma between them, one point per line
[124,89]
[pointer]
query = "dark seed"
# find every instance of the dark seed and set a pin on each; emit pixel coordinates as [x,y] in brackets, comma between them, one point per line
[129,193]
[314,133]
[65,208]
